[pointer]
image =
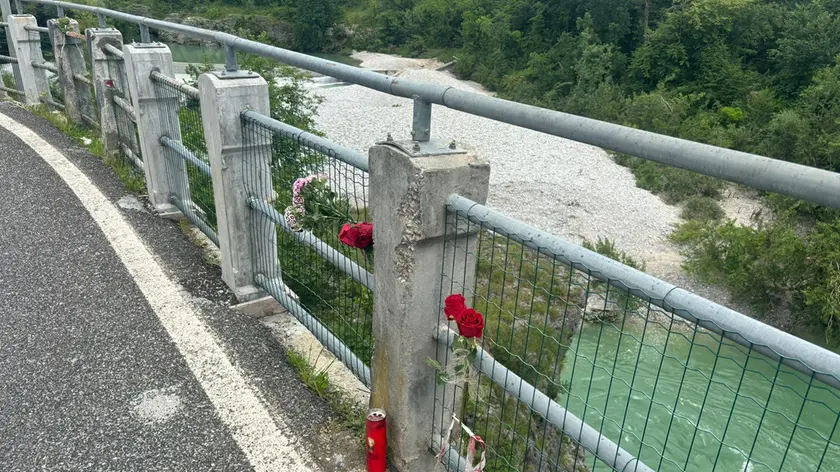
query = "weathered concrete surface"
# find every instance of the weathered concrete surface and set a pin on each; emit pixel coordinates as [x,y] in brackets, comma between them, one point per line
[105,69]
[70,60]
[408,201]
[157,115]
[240,170]
[27,46]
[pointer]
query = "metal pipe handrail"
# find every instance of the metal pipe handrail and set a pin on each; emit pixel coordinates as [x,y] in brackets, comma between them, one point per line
[132,156]
[52,103]
[186,208]
[329,253]
[541,404]
[113,50]
[90,121]
[792,351]
[165,79]
[179,148]
[126,107]
[82,78]
[276,288]
[38,29]
[45,66]
[10,90]
[309,140]
[8,59]
[806,183]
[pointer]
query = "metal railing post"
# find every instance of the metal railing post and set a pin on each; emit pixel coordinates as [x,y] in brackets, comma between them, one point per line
[421,126]
[247,247]
[26,45]
[105,73]
[70,60]
[408,195]
[145,36]
[157,115]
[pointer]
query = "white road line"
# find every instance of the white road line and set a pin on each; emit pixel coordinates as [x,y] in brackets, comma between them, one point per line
[259,436]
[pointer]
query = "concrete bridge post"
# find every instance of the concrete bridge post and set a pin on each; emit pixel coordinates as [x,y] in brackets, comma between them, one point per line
[72,70]
[240,170]
[409,187]
[157,115]
[27,48]
[105,74]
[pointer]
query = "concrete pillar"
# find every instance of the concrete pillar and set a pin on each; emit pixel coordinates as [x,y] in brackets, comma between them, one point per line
[105,74]
[408,202]
[240,170]
[27,48]
[70,60]
[157,116]
[5,14]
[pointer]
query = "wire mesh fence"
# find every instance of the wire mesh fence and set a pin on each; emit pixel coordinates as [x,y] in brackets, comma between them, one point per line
[309,194]
[674,395]
[187,164]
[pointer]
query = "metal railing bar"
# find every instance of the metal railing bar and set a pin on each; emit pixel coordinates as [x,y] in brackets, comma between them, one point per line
[126,107]
[814,185]
[113,50]
[52,103]
[186,154]
[4,23]
[794,352]
[277,289]
[39,29]
[8,59]
[90,121]
[82,78]
[10,90]
[186,209]
[132,156]
[572,426]
[311,141]
[46,66]
[174,83]
[329,253]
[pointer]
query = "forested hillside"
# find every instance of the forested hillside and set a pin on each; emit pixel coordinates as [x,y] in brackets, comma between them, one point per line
[757,76]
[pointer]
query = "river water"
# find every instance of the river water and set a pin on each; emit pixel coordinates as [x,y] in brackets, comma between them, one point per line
[193,54]
[718,406]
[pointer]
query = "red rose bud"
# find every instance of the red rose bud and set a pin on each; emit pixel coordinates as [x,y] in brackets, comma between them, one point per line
[470,323]
[454,305]
[357,235]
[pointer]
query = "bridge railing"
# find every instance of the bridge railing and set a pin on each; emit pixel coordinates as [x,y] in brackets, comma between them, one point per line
[585,363]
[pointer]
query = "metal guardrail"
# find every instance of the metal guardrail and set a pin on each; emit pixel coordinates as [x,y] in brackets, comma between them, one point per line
[329,253]
[572,426]
[792,351]
[10,90]
[186,154]
[112,50]
[186,208]
[126,107]
[8,59]
[38,29]
[83,79]
[312,141]
[45,66]
[52,103]
[277,289]
[814,185]
[185,88]
[132,156]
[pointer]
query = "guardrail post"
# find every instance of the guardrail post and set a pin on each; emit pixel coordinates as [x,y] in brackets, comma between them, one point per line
[6,10]
[27,48]
[247,248]
[70,60]
[156,117]
[408,201]
[104,75]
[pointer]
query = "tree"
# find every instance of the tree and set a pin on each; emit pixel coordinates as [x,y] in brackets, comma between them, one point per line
[312,21]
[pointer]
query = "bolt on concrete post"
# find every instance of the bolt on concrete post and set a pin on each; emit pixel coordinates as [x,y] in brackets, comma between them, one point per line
[248,244]
[70,60]
[105,74]
[408,202]
[157,116]
[27,48]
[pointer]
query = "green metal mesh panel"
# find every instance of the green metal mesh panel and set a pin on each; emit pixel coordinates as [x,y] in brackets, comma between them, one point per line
[676,396]
[342,304]
[181,117]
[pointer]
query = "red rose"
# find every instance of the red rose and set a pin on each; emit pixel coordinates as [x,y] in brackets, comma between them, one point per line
[454,305]
[470,323]
[357,235]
